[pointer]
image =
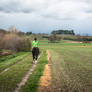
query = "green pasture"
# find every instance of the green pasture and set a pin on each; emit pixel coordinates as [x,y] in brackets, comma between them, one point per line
[10,60]
[34,79]
[10,79]
[71,66]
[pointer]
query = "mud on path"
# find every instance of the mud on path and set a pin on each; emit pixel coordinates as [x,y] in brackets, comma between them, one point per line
[45,81]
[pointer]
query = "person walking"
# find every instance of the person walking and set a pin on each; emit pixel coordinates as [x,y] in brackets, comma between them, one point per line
[35,50]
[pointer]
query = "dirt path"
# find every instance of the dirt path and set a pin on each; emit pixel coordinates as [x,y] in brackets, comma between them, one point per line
[13,64]
[25,78]
[45,80]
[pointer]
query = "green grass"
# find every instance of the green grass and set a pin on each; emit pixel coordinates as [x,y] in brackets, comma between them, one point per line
[4,58]
[10,79]
[33,82]
[71,66]
[12,60]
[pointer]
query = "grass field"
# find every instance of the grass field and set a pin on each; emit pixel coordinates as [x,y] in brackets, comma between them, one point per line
[71,68]
[34,80]
[10,79]
[10,60]
[13,76]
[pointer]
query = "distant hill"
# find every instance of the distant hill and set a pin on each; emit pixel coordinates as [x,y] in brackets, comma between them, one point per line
[69,32]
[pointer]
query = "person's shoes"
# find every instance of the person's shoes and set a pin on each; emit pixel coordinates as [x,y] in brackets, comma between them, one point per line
[35,61]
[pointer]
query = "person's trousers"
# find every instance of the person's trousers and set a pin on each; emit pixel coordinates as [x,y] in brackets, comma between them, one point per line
[35,53]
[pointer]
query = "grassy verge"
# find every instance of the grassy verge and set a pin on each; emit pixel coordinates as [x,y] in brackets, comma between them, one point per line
[33,82]
[9,62]
[4,58]
[10,79]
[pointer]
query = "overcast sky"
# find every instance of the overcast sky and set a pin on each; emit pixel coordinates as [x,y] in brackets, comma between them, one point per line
[47,15]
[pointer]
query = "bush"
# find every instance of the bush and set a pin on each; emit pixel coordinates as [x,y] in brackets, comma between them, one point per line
[15,42]
[54,38]
[77,38]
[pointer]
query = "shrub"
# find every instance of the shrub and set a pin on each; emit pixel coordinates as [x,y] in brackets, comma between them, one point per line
[54,38]
[13,41]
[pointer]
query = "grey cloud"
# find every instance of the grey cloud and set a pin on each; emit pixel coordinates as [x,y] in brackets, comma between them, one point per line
[58,18]
[57,9]
[12,6]
[9,6]
[89,11]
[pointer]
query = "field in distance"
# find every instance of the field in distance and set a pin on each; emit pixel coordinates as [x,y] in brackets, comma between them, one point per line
[71,65]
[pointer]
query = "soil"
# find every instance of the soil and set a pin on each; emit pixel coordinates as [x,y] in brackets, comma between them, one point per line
[45,80]
[5,53]
[76,41]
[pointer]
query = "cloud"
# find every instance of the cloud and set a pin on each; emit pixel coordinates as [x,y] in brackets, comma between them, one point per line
[68,9]
[46,15]
[58,9]
[21,5]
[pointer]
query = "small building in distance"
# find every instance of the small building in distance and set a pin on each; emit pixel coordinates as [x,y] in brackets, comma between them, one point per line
[66,32]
